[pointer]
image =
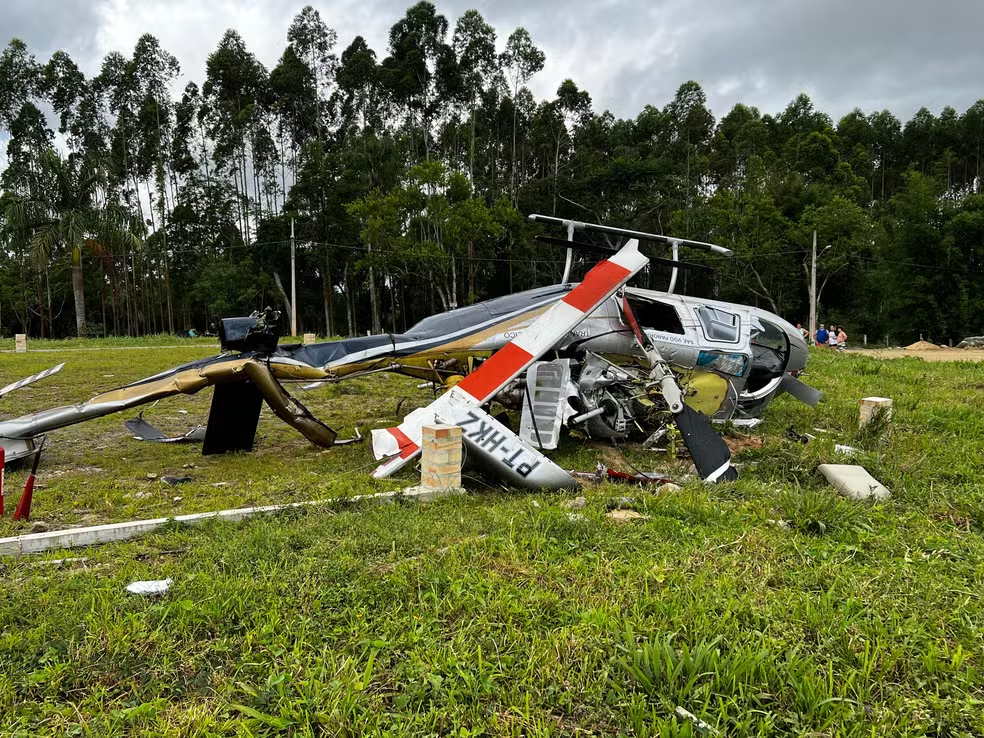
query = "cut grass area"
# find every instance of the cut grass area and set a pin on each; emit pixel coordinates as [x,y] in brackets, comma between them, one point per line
[158,339]
[497,613]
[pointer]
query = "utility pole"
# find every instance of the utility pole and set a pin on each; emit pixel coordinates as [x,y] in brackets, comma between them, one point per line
[293,279]
[813,291]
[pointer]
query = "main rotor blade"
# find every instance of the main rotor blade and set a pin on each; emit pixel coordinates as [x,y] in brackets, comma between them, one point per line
[640,235]
[599,249]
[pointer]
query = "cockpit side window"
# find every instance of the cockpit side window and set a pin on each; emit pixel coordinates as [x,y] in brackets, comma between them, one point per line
[657,316]
[719,325]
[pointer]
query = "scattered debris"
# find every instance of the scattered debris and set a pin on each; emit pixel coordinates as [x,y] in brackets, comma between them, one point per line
[670,487]
[846,450]
[782,524]
[59,563]
[576,517]
[698,723]
[176,500]
[576,504]
[144,431]
[188,466]
[625,516]
[792,435]
[152,476]
[602,472]
[743,422]
[150,587]
[221,484]
[40,527]
[175,481]
[854,481]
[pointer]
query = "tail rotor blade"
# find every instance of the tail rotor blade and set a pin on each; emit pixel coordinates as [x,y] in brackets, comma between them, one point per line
[710,453]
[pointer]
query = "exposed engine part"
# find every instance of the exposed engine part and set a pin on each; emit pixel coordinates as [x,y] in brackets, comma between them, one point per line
[511,396]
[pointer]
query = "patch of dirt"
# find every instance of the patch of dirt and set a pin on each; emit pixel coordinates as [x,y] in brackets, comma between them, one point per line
[940,354]
[740,444]
[923,346]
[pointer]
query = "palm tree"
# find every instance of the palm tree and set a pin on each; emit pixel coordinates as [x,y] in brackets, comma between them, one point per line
[63,205]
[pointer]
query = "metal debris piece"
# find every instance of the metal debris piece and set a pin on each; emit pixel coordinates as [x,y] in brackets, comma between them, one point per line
[601,473]
[144,431]
[175,481]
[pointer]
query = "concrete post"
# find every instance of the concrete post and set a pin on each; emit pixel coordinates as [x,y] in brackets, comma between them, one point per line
[872,405]
[20,343]
[440,457]
[309,338]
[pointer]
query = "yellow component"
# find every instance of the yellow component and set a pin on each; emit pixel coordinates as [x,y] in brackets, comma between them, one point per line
[452,381]
[706,391]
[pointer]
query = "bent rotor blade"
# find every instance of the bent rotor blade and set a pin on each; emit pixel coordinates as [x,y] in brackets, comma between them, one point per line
[30,380]
[403,442]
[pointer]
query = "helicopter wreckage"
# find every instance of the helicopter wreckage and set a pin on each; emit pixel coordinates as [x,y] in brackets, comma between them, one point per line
[607,360]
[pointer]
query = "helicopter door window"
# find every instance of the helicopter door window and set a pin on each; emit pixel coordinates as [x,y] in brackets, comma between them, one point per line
[657,316]
[719,325]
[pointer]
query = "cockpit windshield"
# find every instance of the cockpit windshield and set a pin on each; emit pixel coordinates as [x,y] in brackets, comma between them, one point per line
[770,354]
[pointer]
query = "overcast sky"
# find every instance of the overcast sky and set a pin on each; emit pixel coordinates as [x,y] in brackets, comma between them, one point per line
[873,54]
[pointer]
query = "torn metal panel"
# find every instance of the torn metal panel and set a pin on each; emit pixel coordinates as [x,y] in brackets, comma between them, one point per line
[545,403]
[144,431]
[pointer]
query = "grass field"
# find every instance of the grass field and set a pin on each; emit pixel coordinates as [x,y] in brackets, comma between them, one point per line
[500,613]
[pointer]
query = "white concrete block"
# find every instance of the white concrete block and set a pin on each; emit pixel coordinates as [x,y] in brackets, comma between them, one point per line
[872,405]
[20,343]
[309,338]
[854,481]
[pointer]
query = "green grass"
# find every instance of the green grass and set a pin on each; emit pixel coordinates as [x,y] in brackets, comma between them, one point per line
[159,339]
[497,613]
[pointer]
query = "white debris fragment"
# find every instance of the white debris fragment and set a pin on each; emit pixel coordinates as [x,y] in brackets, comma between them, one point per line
[149,587]
[846,450]
[700,724]
[854,482]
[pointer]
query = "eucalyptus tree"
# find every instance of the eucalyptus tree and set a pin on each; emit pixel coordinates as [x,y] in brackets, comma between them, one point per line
[20,80]
[521,59]
[236,85]
[477,65]
[416,43]
[313,41]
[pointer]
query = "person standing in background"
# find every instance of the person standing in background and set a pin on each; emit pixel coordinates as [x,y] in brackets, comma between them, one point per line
[841,339]
[803,332]
[832,337]
[821,335]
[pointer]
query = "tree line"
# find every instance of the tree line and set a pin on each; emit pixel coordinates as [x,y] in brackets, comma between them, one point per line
[405,179]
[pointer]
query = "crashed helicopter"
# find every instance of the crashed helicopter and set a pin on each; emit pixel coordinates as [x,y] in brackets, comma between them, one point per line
[610,361]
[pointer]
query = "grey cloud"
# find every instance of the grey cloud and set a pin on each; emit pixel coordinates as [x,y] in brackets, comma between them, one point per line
[49,25]
[899,54]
